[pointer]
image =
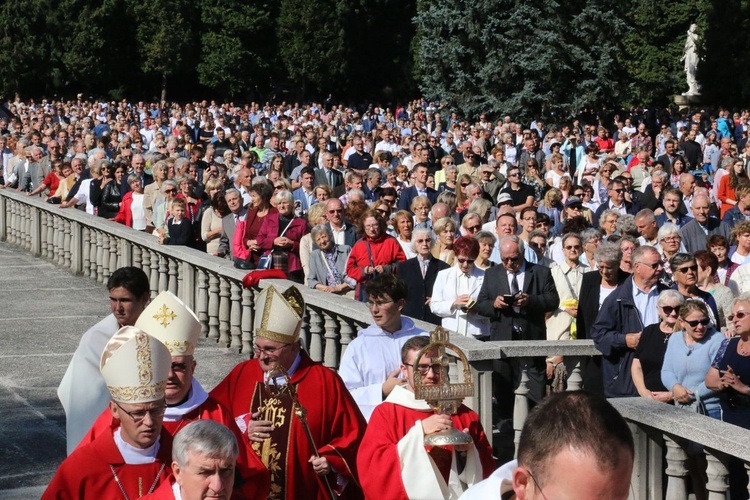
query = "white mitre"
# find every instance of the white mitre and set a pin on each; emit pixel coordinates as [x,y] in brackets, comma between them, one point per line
[168,319]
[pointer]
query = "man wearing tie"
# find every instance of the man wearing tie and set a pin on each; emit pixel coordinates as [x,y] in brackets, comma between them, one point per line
[419,274]
[516,296]
[229,222]
[327,175]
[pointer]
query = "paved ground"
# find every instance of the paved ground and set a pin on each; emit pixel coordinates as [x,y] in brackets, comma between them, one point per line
[44,312]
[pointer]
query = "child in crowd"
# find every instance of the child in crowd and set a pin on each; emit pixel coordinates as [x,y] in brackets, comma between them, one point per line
[179,229]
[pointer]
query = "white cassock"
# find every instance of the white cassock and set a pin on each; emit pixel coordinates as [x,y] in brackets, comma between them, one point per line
[82,391]
[370,358]
[499,483]
[449,284]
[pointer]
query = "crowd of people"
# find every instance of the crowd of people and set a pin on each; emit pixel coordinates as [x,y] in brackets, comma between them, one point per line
[633,234]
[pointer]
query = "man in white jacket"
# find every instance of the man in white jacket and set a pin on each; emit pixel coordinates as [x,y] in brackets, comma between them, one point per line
[371,363]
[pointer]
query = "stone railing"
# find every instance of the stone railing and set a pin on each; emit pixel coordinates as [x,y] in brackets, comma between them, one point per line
[657,426]
[94,247]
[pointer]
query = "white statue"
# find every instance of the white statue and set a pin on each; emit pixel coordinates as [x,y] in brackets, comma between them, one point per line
[690,56]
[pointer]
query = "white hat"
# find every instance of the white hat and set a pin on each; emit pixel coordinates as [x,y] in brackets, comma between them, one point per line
[168,319]
[135,366]
[278,316]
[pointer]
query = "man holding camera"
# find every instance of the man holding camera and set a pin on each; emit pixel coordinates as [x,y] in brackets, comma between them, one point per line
[516,296]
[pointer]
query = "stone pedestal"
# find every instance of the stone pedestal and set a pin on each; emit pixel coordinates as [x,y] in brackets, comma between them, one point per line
[686,101]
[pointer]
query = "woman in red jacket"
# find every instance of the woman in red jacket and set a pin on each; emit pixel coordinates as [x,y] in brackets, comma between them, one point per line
[280,235]
[376,253]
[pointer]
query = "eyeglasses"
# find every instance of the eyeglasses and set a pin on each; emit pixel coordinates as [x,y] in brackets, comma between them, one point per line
[668,310]
[514,174]
[280,186]
[573,247]
[618,190]
[655,265]
[170,190]
[465,261]
[694,323]
[685,269]
[536,484]
[517,258]
[424,369]
[671,239]
[738,315]
[381,211]
[336,211]
[464,184]
[378,304]
[268,351]
[538,245]
[139,415]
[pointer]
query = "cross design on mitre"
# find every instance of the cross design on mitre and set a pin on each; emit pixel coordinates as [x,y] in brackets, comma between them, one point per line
[165,316]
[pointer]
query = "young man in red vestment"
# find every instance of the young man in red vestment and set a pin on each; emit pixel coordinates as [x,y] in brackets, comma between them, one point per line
[169,320]
[132,461]
[204,455]
[263,403]
[398,464]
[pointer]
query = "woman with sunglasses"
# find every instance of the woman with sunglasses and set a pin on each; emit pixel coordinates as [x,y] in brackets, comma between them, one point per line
[708,263]
[456,290]
[649,354]
[690,352]
[531,177]
[462,199]
[685,276]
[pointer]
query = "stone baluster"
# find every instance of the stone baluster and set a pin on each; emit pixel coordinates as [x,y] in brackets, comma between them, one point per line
[213,307]
[316,334]
[154,276]
[163,273]
[43,234]
[676,470]
[575,380]
[347,329]
[59,241]
[86,247]
[138,257]
[146,261]
[331,358]
[11,215]
[50,240]
[304,332]
[100,256]
[66,243]
[173,276]
[105,256]
[224,310]
[248,310]
[235,315]
[202,306]
[521,408]
[30,228]
[92,254]
[718,475]
[747,471]
[115,253]
[27,243]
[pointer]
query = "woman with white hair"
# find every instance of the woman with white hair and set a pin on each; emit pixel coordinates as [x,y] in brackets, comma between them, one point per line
[327,264]
[419,274]
[669,244]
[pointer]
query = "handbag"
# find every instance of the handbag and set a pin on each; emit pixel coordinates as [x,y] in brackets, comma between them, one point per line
[266,260]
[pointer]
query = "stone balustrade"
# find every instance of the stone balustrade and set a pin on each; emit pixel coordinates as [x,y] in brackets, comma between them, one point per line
[212,287]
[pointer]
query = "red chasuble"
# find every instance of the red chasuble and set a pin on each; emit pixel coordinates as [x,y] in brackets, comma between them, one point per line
[334,419]
[253,474]
[98,471]
[378,453]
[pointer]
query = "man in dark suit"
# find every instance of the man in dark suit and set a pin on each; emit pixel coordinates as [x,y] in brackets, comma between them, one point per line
[418,189]
[138,164]
[668,158]
[516,296]
[229,222]
[292,160]
[344,233]
[328,175]
[616,191]
[419,274]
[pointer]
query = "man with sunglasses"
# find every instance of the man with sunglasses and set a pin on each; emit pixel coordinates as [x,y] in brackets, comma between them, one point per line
[393,453]
[616,191]
[629,309]
[131,461]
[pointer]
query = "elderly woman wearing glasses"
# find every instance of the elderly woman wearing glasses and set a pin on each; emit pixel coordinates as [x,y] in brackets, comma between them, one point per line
[456,290]
[649,354]
[327,266]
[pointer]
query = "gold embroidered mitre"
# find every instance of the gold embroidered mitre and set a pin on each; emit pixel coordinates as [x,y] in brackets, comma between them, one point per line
[168,319]
[278,316]
[135,366]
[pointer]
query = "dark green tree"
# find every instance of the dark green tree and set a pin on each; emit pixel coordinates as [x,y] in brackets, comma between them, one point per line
[237,45]
[311,43]
[24,48]
[522,58]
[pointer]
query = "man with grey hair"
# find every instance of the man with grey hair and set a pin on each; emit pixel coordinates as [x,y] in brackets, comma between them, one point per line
[516,296]
[204,457]
[229,221]
[696,232]
[645,224]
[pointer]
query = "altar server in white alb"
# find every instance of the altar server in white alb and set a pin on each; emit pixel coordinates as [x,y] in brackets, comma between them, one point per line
[370,366]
